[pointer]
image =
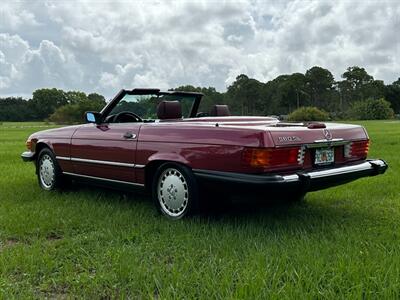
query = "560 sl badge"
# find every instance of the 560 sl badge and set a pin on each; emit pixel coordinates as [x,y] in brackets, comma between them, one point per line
[289,138]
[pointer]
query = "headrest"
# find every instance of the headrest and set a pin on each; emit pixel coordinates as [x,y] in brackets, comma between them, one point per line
[169,110]
[220,111]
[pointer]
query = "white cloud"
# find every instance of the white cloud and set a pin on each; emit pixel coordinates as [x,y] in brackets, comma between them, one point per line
[104,46]
[24,68]
[14,16]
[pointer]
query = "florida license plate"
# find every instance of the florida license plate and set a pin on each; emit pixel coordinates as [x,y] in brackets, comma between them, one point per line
[324,156]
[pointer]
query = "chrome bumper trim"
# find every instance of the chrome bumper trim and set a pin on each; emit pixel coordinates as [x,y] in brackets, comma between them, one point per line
[368,165]
[299,181]
[28,156]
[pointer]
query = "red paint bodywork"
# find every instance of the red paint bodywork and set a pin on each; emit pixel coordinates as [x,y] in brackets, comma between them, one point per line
[210,143]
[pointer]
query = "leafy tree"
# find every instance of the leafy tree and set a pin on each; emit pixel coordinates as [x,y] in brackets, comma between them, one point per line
[308,114]
[244,96]
[15,109]
[372,110]
[77,104]
[75,97]
[74,113]
[320,83]
[357,77]
[292,92]
[298,86]
[374,89]
[46,101]
[96,98]
[392,94]
[357,81]
[344,91]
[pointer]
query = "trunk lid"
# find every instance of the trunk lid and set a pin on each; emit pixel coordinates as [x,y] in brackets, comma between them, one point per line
[299,135]
[285,134]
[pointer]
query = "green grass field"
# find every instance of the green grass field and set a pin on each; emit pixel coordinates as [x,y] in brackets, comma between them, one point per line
[86,242]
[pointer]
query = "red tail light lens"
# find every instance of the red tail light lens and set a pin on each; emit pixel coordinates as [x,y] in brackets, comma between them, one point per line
[271,157]
[359,149]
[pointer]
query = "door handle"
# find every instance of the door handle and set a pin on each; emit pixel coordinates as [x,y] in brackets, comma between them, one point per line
[129,135]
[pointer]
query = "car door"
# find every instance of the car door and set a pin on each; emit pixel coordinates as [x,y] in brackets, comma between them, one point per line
[105,150]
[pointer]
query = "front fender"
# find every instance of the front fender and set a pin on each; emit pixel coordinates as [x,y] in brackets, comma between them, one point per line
[41,143]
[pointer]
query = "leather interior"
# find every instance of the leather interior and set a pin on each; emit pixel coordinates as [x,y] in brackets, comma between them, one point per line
[169,110]
[220,111]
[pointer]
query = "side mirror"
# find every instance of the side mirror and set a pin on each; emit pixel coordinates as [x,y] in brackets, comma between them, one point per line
[92,117]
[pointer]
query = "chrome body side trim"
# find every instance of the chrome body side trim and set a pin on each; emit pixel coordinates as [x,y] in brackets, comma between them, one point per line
[101,162]
[63,158]
[137,166]
[104,179]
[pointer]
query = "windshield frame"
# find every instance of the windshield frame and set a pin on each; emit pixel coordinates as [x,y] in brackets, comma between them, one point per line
[122,93]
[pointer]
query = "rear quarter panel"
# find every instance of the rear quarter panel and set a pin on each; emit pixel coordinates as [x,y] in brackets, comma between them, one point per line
[219,148]
[198,146]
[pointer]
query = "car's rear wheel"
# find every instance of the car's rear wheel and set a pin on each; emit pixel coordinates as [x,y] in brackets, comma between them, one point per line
[175,191]
[48,171]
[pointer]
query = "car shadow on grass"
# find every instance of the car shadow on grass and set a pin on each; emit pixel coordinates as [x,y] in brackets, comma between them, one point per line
[239,211]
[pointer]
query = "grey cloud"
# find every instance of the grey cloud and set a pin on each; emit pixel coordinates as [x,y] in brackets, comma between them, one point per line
[104,46]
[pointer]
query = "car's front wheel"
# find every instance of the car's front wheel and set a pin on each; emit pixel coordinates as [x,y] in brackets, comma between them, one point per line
[48,171]
[175,191]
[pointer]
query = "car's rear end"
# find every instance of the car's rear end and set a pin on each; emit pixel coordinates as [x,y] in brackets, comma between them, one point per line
[297,158]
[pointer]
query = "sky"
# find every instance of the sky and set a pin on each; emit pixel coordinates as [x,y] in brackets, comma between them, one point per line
[104,46]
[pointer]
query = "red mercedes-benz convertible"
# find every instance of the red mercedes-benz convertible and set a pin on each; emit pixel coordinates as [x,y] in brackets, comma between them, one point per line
[161,142]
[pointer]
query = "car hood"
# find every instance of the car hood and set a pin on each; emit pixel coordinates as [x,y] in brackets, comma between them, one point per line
[63,132]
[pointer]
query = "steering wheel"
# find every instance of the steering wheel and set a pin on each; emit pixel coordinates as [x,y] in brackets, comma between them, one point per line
[126,117]
[202,114]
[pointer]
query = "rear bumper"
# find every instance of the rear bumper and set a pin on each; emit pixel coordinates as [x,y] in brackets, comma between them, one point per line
[28,156]
[299,181]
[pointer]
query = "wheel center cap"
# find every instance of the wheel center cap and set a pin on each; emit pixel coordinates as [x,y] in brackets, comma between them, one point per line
[172,190]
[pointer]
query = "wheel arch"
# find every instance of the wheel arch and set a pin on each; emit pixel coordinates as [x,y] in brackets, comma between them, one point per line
[39,146]
[153,165]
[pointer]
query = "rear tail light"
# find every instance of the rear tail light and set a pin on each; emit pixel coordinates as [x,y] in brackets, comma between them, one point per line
[271,157]
[357,149]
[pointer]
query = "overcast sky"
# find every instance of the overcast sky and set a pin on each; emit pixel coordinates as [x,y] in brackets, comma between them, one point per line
[101,46]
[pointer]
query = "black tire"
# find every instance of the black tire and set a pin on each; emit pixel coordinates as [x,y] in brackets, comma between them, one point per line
[48,171]
[175,191]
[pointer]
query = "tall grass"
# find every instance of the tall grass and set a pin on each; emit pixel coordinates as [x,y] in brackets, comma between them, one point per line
[87,242]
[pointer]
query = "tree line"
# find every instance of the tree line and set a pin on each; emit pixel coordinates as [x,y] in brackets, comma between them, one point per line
[245,96]
[50,105]
[315,88]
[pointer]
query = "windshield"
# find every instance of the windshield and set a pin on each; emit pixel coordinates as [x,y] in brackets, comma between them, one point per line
[145,106]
